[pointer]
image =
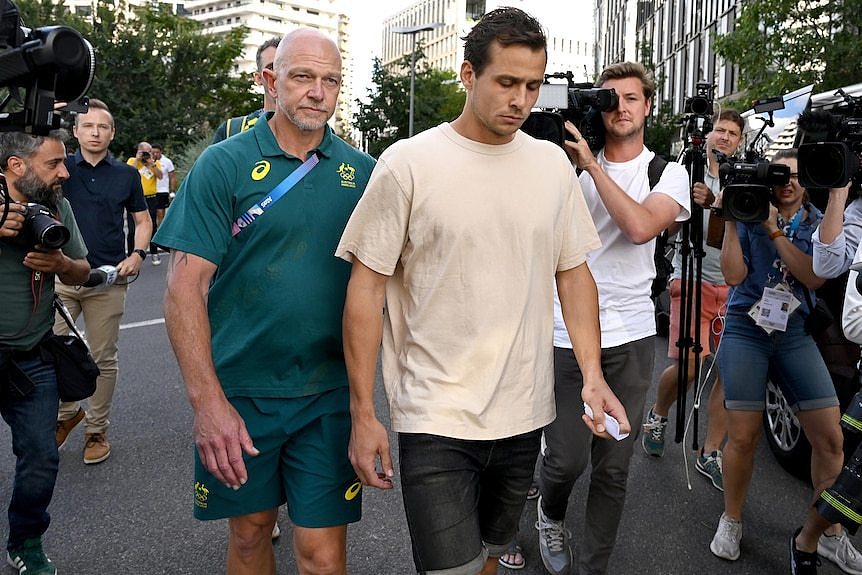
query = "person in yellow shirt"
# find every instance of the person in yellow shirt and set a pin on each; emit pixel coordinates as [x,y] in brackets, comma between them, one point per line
[150,170]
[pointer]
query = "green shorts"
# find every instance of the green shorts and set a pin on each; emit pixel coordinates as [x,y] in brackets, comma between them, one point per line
[302,462]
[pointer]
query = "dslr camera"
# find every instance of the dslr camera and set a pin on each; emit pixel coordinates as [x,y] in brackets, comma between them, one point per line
[145,156]
[830,145]
[579,103]
[40,226]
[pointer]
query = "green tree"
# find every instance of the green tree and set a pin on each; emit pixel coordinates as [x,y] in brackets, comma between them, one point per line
[782,45]
[164,80]
[384,119]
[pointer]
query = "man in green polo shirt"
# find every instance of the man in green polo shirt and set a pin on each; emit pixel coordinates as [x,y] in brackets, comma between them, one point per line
[255,318]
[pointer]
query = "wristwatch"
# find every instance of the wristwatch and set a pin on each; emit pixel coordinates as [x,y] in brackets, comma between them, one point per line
[141,253]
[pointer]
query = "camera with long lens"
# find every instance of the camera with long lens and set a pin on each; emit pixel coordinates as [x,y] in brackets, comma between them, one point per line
[40,226]
[44,228]
[581,104]
[830,145]
[748,186]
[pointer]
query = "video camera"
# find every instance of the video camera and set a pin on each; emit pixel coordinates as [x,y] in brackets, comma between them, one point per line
[747,183]
[40,67]
[698,111]
[579,103]
[830,145]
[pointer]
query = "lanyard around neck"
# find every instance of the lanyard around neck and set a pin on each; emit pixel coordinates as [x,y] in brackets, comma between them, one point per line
[276,194]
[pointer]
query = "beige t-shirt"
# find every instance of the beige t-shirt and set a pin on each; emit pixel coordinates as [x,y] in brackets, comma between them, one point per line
[471,235]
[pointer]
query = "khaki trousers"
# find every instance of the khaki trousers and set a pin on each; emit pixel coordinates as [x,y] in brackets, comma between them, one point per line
[103,309]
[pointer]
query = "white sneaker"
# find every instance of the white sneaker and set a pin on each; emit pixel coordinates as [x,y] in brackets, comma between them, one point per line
[725,543]
[157,260]
[276,531]
[839,550]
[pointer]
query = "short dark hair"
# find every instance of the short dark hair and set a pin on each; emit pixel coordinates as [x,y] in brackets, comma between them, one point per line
[622,70]
[786,154]
[24,146]
[271,43]
[506,26]
[157,146]
[730,116]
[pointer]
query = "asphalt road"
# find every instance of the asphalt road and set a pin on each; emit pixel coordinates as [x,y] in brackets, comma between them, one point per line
[133,513]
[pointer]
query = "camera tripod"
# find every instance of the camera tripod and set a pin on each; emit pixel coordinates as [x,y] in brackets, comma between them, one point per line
[691,273]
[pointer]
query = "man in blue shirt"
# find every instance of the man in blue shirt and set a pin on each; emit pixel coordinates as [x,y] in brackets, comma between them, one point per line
[101,191]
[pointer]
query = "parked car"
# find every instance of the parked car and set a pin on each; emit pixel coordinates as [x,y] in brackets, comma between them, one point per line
[781,426]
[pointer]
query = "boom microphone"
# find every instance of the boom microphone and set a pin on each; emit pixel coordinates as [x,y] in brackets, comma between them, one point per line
[103,275]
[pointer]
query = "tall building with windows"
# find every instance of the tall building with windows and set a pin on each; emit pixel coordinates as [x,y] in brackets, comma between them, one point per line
[570,39]
[268,18]
[265,19]
[677,37]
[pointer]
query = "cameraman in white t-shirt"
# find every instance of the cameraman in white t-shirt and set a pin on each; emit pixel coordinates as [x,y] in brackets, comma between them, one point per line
[628,216]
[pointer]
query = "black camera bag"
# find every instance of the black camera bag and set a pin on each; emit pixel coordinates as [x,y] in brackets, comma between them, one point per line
[76,369]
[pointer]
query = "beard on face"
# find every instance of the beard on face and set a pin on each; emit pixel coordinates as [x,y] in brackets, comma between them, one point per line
[303,123]
[38,191]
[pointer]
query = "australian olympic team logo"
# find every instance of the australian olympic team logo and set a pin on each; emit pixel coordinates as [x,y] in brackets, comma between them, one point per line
[354,490]
[260,170]
[201,495]
[348,175]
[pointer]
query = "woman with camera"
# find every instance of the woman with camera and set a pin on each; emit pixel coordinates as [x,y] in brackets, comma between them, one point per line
[769,265]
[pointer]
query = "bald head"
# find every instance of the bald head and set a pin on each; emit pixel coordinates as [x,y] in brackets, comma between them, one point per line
[302,38]
[306,79]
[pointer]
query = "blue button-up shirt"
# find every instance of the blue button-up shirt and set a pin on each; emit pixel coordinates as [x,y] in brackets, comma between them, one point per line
[100,196]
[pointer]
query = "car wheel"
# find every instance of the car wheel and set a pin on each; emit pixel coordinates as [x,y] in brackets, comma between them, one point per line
[784,434]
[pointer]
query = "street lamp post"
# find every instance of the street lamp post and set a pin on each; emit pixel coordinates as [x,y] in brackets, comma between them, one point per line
[413,30]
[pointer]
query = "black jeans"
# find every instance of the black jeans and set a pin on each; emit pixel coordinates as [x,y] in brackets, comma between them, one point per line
[464,498]
[571,447]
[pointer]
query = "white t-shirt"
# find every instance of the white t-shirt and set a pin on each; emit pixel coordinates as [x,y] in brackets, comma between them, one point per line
[163,184]
[624,271]
[471,235]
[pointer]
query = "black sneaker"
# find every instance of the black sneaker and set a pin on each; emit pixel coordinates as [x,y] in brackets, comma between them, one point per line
[802,563]
[29,559]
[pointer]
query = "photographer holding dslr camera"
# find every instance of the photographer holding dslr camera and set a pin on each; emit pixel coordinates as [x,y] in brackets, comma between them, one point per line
[34,171]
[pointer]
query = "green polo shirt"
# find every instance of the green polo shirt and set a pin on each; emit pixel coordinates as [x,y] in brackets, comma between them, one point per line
[28,297]
[276,301]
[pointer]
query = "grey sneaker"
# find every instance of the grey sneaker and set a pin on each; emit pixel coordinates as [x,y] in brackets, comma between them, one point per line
[839,550]
[725,543]
[553,544]
[653,437]
[710,466]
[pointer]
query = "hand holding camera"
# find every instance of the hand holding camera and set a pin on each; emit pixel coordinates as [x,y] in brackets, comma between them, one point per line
[13,222]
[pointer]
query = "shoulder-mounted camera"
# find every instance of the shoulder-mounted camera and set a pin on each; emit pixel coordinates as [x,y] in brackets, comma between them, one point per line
[830,144]
[581,104]
[38,68]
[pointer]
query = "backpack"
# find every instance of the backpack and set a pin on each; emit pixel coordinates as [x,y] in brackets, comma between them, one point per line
[663,265]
